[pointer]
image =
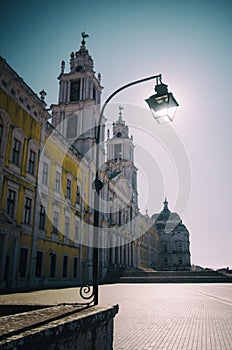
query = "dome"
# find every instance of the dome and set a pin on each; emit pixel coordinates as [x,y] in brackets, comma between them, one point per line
[166,218]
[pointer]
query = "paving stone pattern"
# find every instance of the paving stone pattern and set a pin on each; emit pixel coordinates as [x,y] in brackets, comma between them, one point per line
[158,316]
[165,317]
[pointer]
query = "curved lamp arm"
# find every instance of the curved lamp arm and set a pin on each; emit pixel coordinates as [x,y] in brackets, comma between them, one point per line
[157,77]
[98,185]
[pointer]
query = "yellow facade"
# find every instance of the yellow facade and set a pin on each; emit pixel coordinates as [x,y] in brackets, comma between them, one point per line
[67,244]
[20,137]
[28,245]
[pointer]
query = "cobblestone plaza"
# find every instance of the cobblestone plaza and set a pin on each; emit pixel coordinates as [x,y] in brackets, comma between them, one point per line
[157,316]
[172,316]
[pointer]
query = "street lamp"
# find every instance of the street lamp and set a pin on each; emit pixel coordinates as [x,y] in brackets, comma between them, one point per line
[163,107]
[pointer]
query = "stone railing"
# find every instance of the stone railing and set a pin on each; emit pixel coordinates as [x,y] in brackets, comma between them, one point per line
[59,327]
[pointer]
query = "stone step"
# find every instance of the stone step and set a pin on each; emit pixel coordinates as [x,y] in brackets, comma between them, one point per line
[153,273]
[147,275]
[174,280]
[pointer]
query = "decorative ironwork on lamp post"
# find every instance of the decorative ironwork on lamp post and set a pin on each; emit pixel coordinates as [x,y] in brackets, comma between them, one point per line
[163,106]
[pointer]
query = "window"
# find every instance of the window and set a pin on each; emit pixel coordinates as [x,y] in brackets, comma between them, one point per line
[165,247]
[23,262]
[57,182]
[31,163]
[75,267]
[179,246]
[131,154]
[55,222]
[118,151]
[66,229]
[10,205]
[18,138]
[79,69]
[7,268]
[75,90]
[38,266]
[42,217]
[165,261]
[45,174]
[134,180]
[78,195]
[16,152]
[53,265]
[27,210]
[4,83]
[180,260]
[65,266]
[131,213]
[68,189]
[13,92]
[72,126]
[76,232]
[120,218]
[94,93]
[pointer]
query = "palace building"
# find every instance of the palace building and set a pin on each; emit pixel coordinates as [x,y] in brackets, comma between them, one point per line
[47,171]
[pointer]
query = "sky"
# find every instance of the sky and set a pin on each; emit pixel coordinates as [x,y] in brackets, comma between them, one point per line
[189,42]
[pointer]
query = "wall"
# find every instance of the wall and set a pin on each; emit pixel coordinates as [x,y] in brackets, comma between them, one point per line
[58,328]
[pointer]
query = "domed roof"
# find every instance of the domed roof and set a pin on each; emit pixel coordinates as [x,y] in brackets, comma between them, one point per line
[166,218]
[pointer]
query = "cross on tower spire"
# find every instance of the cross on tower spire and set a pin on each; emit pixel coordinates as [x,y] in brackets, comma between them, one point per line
[120,113]
[166,204]
[84,36]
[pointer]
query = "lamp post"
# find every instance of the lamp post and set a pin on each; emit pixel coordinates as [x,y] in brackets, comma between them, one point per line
[163,106]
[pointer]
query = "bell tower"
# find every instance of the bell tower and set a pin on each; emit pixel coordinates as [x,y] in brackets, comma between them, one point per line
[120,154]
[76,114]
